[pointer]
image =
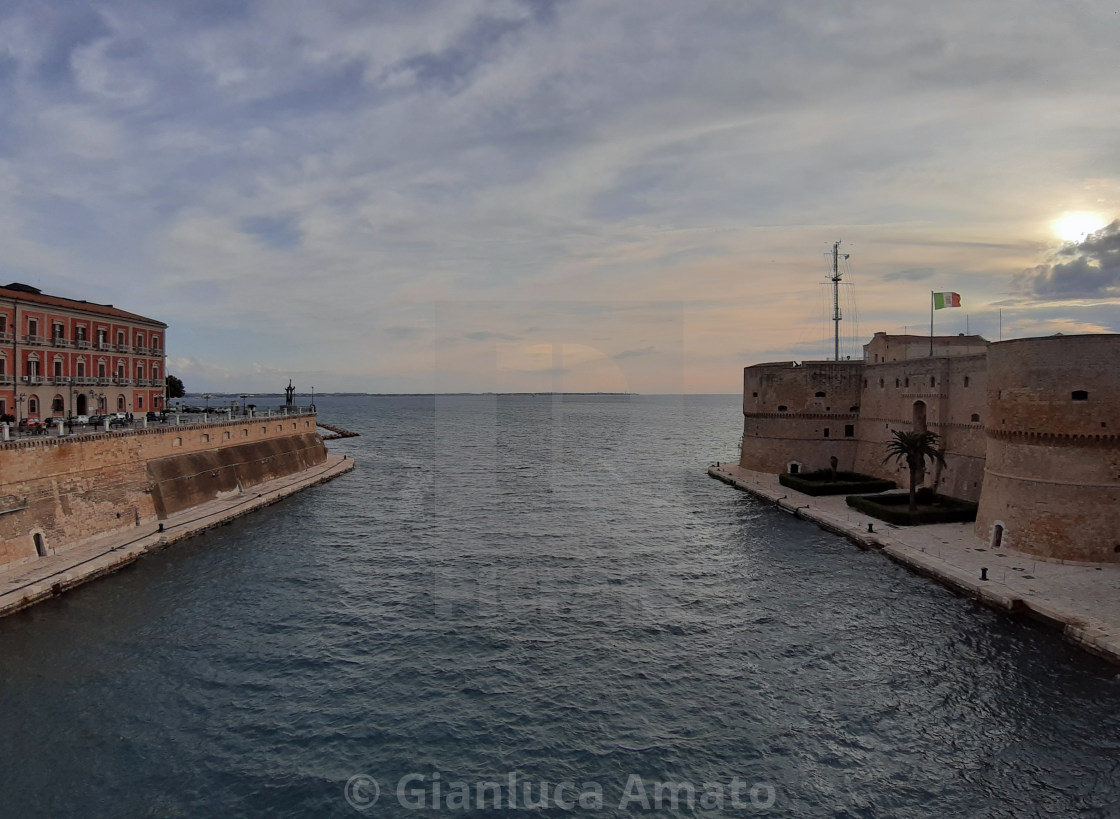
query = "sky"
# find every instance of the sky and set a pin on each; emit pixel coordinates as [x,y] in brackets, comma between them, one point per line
[534,195]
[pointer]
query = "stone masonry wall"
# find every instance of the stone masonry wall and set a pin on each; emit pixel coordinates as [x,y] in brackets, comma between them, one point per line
[72,488]
[1052,477]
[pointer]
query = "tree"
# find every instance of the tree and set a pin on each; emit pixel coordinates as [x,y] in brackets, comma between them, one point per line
[175,387]
[915,448]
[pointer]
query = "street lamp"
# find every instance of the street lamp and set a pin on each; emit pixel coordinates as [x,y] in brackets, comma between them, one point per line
[207,397]
[312,407]
[244,410]
[19,406]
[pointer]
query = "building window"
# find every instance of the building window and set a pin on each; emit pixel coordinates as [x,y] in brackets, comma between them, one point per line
[81,368]
[820,395]
[854,409]
[781,408]
[849,430]
[176,442]
[205,437]
[880,383]
[120,337]
[120,403]
[826,432]
[155,342]
[58,368]
[1079,395]
[139,402]
[58,332]
[966,380]
[33,405]
[907,383]
[975,418]
[57,407]
[896,382]
[754,395]
[226,434]
[932,381]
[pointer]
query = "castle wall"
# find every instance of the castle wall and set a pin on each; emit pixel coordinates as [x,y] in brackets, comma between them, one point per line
[68,489]
[1052,477]
[803,414]
[949,393]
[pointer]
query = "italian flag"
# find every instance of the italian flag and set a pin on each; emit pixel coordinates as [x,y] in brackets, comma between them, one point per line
[946,300]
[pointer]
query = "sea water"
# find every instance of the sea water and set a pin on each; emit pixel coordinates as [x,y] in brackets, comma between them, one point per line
[540,604]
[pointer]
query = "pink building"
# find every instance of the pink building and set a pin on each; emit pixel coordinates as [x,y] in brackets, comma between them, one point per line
[61,357]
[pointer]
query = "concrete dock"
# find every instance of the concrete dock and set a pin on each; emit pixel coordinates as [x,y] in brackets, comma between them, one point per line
[31,581]
[1080,599]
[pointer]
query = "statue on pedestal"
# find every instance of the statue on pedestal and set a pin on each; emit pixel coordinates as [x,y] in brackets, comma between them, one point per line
[288,393]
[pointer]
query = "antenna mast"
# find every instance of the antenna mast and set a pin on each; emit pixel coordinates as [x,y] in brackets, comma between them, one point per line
[836,275]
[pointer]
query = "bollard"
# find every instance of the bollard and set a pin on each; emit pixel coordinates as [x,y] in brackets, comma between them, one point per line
[144,422]
[5,432]
[161,527]
[871,527]
[983,574]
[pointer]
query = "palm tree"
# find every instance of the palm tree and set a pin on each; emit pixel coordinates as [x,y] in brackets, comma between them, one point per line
[915,448]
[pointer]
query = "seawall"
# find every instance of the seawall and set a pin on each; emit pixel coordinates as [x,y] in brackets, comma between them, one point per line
[1076,598]
[59,491]
[32,582]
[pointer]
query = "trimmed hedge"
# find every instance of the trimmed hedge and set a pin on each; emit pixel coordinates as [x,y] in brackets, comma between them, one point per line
[822,483]
[895,508]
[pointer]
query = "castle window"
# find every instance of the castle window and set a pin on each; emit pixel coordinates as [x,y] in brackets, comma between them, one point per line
[1080,395]
[880,383]
[975,418]
[932,381]
[826,432]
[205,437]
[819,395]
[854,409]
[781,408]
[849,430]
[907,382]
[865,382]
[966,380]
[754,395]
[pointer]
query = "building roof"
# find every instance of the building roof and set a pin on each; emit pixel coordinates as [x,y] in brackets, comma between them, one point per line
[32,295]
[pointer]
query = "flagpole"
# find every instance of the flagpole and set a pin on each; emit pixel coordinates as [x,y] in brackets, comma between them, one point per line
[931,323]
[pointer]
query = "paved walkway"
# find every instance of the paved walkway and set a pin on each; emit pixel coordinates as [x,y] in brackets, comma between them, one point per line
[1080,598]
[26,583]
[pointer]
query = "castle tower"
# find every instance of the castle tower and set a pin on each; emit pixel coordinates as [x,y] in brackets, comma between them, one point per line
[1052,471]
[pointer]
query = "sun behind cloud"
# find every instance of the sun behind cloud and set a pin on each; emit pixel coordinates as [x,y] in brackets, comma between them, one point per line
[1073,226]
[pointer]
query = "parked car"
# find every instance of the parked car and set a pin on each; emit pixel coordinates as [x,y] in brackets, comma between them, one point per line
[96,420]
[153,416]
[80,419]
[118,419]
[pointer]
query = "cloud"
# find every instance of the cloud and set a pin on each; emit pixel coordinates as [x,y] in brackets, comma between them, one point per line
[910,274]
[1092,269]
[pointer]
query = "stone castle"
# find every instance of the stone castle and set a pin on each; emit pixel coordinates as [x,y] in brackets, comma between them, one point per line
[1029,428]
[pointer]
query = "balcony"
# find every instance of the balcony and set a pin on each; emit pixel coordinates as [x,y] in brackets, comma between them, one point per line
[32,379]
[84,379]
[122,382]
[104,346]
[142,351]
[7,379]
[59,341]
[103,381]
[60,379]
[37,340]
[123,348]
[82,344]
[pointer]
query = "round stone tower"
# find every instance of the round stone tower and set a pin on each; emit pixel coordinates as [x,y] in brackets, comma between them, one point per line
[1052,472]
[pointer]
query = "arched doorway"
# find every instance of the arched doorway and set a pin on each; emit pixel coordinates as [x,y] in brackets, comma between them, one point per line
[918,421]
[997,536]
[83,406]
